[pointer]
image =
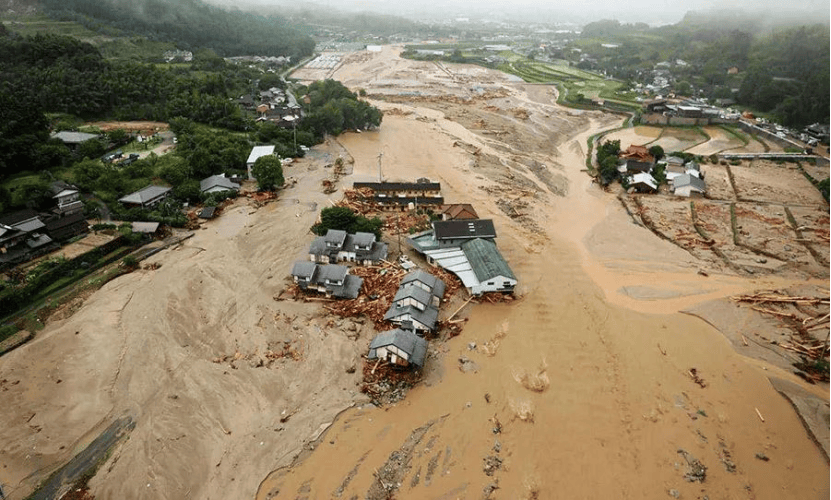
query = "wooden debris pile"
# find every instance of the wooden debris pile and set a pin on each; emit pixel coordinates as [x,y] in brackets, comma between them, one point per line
[807,317]
[452,283]
[403,223]
[494,298]
[360,201]
[328,186]
[385,383]
[513,208]
[379,288]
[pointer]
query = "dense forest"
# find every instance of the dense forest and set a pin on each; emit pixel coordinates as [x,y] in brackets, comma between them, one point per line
[190,24]
[51,82]
[782,71]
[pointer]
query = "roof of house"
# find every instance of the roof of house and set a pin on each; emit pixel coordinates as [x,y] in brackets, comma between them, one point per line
[399,186]
[674,160]
[29,225]
[207,213]
[38,241]
[318,246]
[258,152]
[460,211]
[304,269]
[428,279]
[406,200]
[644,178]
[335,237]
[332,272]
[363,239]
[640,153]
[350,288]
[61,188]
[473,228]
[691,165]
[409,342]
[73,137]
[689,180]
[145,227]
[485,260]
[218,180]
[143,196]
[413,292]
[427,317]
[16,217]
[57,223]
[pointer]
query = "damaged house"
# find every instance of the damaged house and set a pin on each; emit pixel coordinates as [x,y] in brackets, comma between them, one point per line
[330,279]
[467,249]
[416,304]
[398,348]
[340,246]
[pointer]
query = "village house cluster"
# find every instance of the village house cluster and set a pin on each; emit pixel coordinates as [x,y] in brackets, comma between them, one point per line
[273,105]
[26,234]
[460,242]
[684,177]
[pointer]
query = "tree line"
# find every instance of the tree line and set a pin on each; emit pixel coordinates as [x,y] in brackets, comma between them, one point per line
[190,24]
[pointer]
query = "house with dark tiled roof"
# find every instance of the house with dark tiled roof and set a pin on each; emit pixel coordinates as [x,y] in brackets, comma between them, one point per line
[67,197]
[146,198]
[491,270]
[688,185]
[399,348]
[416,304]
[340,246]
[331,279]
[22,236]
[217,183]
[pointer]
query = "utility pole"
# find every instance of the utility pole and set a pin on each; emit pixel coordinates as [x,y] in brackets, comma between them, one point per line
[380,177]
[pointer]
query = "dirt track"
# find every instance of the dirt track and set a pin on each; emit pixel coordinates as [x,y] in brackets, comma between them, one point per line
[586,378]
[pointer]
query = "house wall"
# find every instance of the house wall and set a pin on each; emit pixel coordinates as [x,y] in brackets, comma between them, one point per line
[495,284]
[688,192]
[393,355]
[409,301]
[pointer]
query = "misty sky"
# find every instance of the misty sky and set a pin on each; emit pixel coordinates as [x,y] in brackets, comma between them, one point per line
[580,11]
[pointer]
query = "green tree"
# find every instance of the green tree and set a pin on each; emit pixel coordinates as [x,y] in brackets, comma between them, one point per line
[657,152]
[268,171]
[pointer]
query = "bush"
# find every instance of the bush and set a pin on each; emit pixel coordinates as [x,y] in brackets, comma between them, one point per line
[130,262]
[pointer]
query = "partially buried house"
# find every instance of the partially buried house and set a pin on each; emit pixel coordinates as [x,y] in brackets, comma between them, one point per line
[331,279]
[340,246]
[416,304]
[399,348]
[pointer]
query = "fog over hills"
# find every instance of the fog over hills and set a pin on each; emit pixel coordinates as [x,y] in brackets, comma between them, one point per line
[653,12]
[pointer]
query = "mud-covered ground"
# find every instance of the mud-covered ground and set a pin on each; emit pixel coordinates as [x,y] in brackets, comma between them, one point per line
[591,385]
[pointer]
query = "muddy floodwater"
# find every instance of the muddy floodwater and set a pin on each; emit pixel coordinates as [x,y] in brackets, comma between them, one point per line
[593,383]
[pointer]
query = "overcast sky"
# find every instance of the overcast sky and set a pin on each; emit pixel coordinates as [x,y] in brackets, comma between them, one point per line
[581,11]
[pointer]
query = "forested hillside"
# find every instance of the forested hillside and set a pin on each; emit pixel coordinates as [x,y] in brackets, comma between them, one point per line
[783,70]
[190,24]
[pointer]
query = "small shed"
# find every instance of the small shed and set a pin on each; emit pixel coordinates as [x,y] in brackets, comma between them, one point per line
[399,348]
[207,213]
[145,227]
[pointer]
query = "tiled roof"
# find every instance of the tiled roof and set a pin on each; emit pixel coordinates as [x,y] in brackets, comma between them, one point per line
[409,342]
